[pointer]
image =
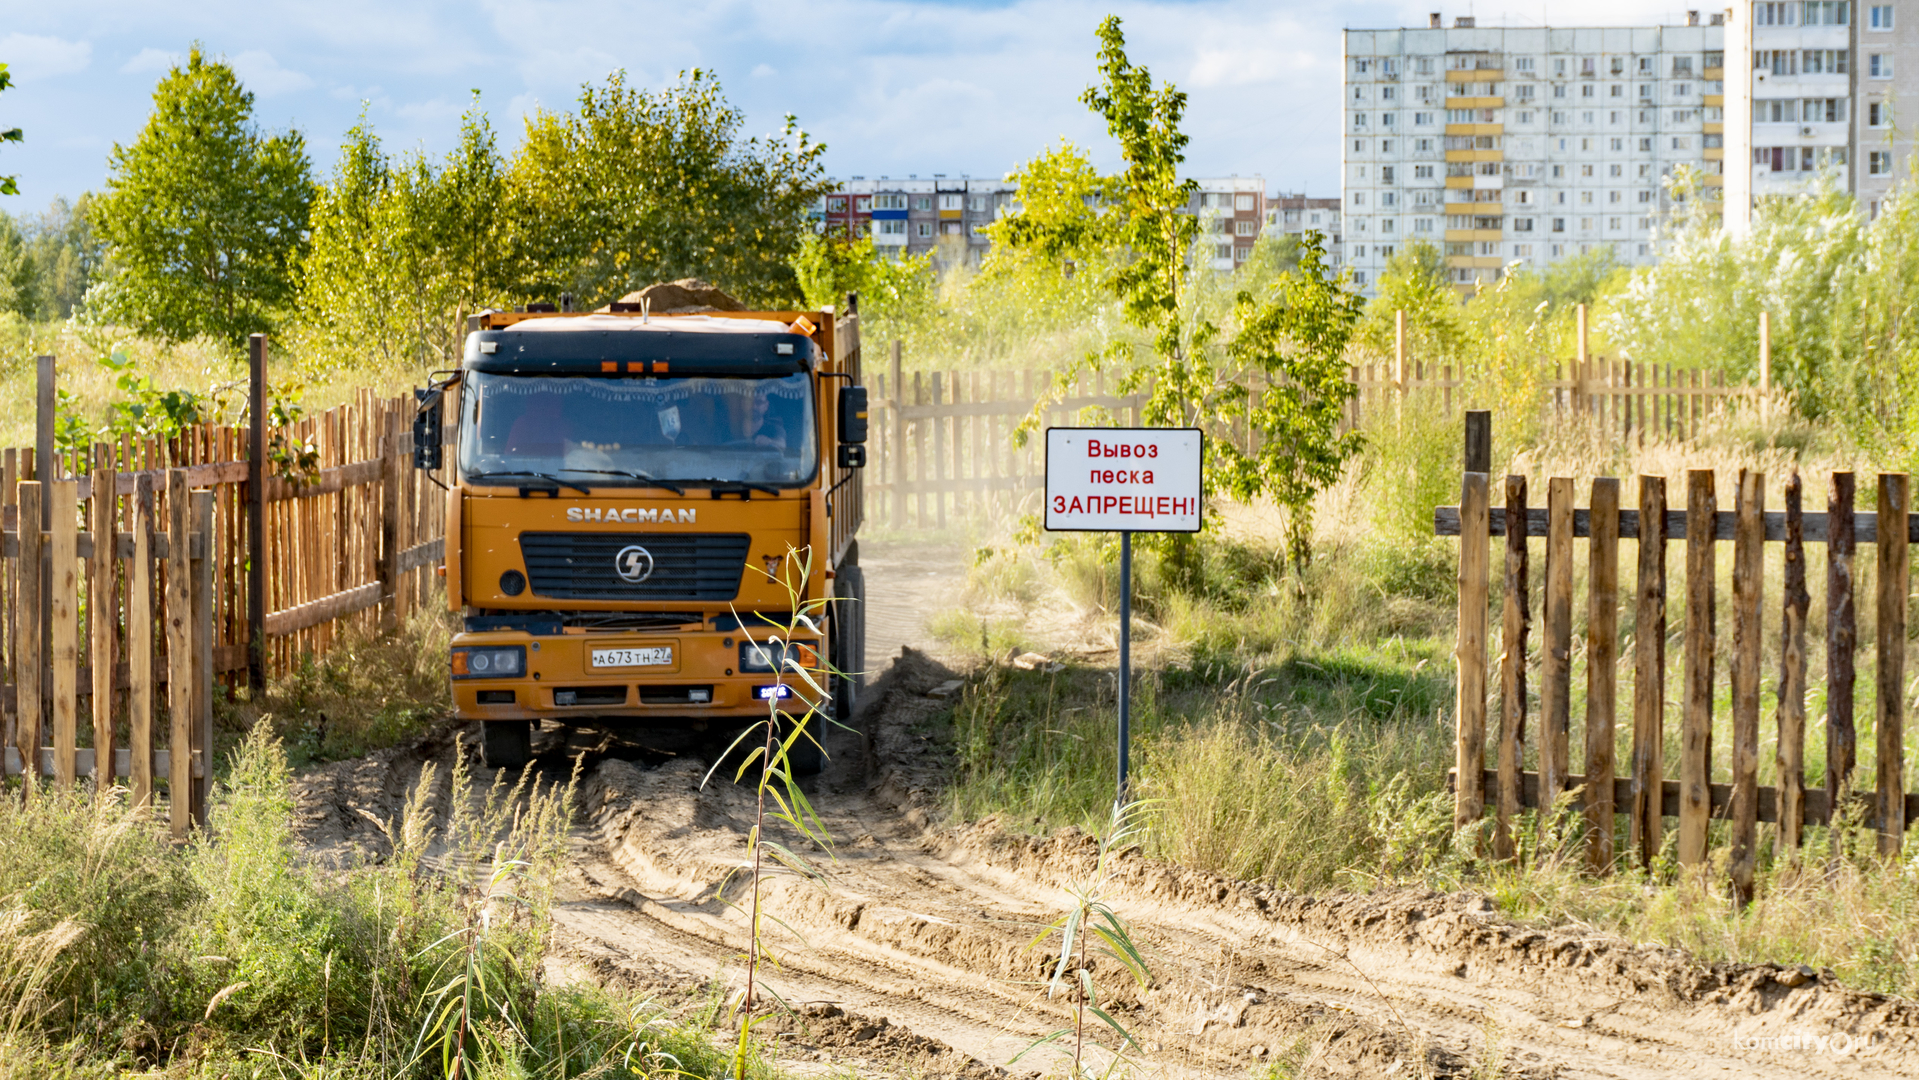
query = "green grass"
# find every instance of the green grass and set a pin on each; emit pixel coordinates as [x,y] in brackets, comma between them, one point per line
[235,956]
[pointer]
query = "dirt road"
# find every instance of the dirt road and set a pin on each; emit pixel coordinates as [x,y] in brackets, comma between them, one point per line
[912,958]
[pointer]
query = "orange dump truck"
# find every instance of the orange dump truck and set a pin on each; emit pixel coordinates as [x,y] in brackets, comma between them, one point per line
[632,495]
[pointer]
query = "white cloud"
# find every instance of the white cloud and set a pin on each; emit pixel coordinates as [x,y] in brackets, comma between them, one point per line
[150,61]
[29,56]
[263,75]
[764,71]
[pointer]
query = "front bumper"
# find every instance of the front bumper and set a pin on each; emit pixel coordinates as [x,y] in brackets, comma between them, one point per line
[701,683]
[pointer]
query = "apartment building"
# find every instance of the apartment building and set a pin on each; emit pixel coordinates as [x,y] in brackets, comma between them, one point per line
[1523,145]
[1232,213]
[914,216]
[1295,214]
[1825,93]
[945,216]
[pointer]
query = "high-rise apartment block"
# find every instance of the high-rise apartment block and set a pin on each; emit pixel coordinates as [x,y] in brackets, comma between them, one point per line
[1824,95]
[1523,145]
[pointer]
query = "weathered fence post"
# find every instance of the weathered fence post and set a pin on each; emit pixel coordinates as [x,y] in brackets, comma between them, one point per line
[1695,755]
[256,515]
[1602,639]
[1790,757]
[179,658]
[1748,584]
[1842,642]
[1512,667]
[140,644]
[1649,672]
[1474,529]
[64,625]
[103,608]
[1893,586]
[1555,671]
[202,552]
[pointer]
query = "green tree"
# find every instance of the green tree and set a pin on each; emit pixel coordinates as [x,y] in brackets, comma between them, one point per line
[205,215]
[638,187]
[1291,336]
[9,185]
[1415,281]
[403,251]
[19,284]
[896,295]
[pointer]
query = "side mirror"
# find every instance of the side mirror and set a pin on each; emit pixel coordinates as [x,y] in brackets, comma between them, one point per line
[853,416]
[426,430]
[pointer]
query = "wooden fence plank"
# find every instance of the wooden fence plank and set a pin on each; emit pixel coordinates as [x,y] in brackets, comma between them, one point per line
[1790,755]
[1512,669]
[179,604]
[1893,587]
[1602,641]
[1748,586]
[1842,642]
[202,660]
[63,615]
[29,627]
[1649,673]
[1555,676]
[103,610]
[140,646]
[1469,800]
[1695,754]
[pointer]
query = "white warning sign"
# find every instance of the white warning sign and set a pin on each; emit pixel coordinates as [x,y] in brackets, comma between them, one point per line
[1123,479]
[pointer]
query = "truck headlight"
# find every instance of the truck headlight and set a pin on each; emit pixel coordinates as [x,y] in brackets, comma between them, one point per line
[489,662]
[772,655]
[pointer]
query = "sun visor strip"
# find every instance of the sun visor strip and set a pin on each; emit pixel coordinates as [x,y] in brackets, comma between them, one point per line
[591,352]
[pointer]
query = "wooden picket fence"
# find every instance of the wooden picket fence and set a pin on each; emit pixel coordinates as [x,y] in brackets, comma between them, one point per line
[1644,794]
[300,531]
[942,446]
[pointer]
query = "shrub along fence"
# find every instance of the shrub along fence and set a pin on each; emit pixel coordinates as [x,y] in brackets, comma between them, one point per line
[234,553]
[1644,794]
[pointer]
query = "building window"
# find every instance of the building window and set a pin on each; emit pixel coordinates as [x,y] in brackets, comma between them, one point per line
[1682,67]
[1385,146]
[1423,65]
[862,204]
[1522,63]
[836,205]
[1423,225]
[1423,146]
[1559,224]
[1386,119]
[1645,65]
[1645,91]
[1879,17]
[1682,142]
[924,230]
[1827,12]
[1223,251]
[891,228]
[1359,278]
[1422,172]
[1359,198]
[1523,251]
[951,202]
[1362,66]
[1879,162]
[1386,225]
[1645,196]
[889,202]
[1422,119]
[1586,90]
[1524,224]
[1879,66]
[1245,228]
[1245,202]
[1523,93]
[1525,118]
[1240,254]
[1776,14]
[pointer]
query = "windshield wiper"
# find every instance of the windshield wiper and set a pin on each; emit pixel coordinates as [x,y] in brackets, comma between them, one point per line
[742,488]
[667,484]
[548,477]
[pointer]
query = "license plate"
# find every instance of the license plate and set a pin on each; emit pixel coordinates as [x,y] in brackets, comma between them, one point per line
[653,657]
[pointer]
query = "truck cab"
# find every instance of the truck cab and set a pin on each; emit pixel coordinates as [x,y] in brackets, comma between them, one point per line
[637,507]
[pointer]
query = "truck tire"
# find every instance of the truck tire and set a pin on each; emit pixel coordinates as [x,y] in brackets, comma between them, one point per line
[506,744]
[806,757]
[849,640]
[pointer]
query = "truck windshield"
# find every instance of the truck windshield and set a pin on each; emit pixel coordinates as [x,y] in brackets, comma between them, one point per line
[613,432]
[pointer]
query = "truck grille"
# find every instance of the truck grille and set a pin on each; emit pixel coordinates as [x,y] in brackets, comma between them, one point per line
[583,566]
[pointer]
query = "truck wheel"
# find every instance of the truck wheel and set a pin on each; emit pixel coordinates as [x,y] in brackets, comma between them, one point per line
[849,640]
[806,757]
[506,744]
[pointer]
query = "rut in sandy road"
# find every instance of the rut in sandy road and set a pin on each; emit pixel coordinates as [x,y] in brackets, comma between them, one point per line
[927,929]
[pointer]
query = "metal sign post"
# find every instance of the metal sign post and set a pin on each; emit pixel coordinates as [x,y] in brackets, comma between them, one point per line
[1124,480]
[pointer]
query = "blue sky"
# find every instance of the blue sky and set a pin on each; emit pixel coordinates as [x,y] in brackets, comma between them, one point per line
[892,86]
